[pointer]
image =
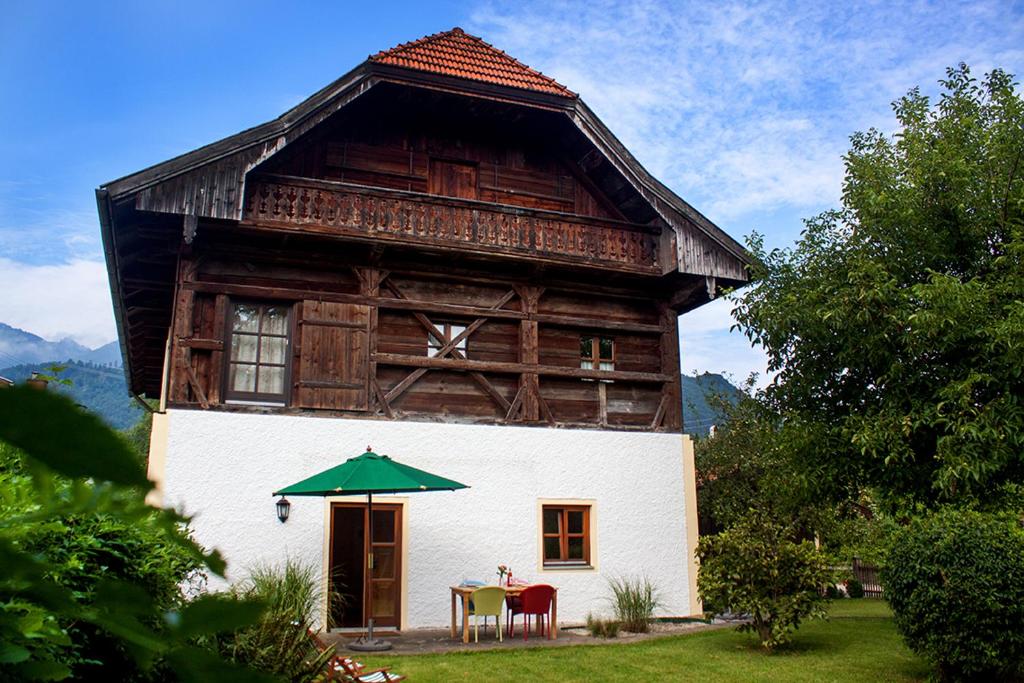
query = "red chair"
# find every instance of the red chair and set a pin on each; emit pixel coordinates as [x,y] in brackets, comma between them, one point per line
[533,601]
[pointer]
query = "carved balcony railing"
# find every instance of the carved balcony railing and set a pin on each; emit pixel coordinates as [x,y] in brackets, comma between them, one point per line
[448,223]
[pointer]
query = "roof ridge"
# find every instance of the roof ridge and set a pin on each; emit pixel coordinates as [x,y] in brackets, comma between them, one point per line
[463,55]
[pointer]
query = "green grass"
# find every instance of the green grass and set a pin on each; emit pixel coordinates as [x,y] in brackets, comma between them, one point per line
[857,643]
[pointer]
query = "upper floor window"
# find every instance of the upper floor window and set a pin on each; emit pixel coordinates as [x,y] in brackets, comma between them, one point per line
[597,353]
[450,331]
[258,362]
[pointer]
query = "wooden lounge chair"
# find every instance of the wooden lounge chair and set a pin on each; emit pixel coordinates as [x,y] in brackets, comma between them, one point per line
[352,671]
[336,667]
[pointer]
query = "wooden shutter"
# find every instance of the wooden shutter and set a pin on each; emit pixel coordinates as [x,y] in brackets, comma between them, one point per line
[453,179]
[333,350]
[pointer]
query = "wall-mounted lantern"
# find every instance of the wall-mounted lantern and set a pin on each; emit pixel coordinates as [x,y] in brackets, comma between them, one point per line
[284,508]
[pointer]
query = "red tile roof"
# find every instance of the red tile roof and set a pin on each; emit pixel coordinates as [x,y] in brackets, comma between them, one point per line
[456,53]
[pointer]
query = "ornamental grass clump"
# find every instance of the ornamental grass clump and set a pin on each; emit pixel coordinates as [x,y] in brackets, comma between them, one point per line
[755,568]
[278,643]
[634,600]
[955,582]
[602,628]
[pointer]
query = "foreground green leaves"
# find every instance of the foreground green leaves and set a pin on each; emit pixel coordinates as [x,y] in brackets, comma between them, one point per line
[90,574]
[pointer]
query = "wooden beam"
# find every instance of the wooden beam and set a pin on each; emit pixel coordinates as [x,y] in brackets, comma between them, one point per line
[529,354]
[381,398]
[202,344]
[466,365]
[194,381]
[450,349]
[292,294]
[595,323]
[671,406]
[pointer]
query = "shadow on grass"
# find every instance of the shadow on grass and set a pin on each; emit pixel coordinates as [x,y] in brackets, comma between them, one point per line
[803,642]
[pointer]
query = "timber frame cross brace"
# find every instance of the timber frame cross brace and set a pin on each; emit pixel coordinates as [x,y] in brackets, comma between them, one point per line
[448,349]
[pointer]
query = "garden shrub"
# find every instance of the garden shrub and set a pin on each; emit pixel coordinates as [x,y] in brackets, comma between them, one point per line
[634,601]
[854,588]
[89,573]
[755,568]
[955,581]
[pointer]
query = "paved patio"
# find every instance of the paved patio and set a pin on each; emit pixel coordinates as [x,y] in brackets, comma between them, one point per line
[437,640]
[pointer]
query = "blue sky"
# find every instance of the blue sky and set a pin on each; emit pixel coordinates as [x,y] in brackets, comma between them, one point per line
[743,109]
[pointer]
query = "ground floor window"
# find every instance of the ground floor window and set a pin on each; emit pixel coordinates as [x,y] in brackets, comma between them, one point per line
[566,535]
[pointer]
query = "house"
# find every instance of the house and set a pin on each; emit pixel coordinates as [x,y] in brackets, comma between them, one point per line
[443,254]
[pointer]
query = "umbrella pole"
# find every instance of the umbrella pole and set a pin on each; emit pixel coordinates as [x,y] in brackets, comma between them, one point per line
[369,569]
[369,644]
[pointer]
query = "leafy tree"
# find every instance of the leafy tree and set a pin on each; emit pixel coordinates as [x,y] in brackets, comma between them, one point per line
[88,571]
[756,568]
[895,324]
[746,466]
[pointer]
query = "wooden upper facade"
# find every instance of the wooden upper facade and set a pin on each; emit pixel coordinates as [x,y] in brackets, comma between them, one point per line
[443,233]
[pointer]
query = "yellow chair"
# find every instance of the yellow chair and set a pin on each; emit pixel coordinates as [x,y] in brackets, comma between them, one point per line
[486,602]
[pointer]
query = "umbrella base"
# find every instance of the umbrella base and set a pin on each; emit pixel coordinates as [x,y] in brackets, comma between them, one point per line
[370,645]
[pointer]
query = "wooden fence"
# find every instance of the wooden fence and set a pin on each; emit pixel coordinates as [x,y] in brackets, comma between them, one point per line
[868,576]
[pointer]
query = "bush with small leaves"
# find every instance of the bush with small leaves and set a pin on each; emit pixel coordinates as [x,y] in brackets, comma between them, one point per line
[756,568]
[955,581]
[854,588]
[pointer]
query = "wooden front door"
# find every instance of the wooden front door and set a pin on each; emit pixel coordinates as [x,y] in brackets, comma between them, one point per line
[351,575]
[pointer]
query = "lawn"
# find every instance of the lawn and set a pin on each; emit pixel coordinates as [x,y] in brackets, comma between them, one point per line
[857,643]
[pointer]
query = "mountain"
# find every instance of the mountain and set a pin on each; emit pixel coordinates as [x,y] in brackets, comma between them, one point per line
[99,388]
[18,347]
[698,413]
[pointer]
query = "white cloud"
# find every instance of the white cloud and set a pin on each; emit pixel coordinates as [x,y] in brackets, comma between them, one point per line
[747,107]
[56,301]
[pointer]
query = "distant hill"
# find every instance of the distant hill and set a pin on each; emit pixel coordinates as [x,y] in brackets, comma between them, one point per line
[99,388]
[698,414]
[18,347]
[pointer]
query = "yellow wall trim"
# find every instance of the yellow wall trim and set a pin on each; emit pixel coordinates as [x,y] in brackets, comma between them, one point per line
[157,461]
[690,501]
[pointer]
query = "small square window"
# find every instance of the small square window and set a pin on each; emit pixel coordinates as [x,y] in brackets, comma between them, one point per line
[597,353]
[450,332]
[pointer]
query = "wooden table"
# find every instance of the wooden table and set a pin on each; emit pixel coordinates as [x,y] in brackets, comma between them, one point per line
[465,591]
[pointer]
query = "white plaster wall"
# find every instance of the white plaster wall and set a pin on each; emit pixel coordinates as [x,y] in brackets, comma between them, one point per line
[222,467]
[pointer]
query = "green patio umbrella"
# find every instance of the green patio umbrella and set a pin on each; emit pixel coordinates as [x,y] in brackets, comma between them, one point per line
[369,473]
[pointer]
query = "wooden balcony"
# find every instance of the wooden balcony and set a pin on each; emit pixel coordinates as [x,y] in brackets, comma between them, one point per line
[449,224]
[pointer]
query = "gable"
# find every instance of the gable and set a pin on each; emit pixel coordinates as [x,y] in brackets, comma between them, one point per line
[396,139]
